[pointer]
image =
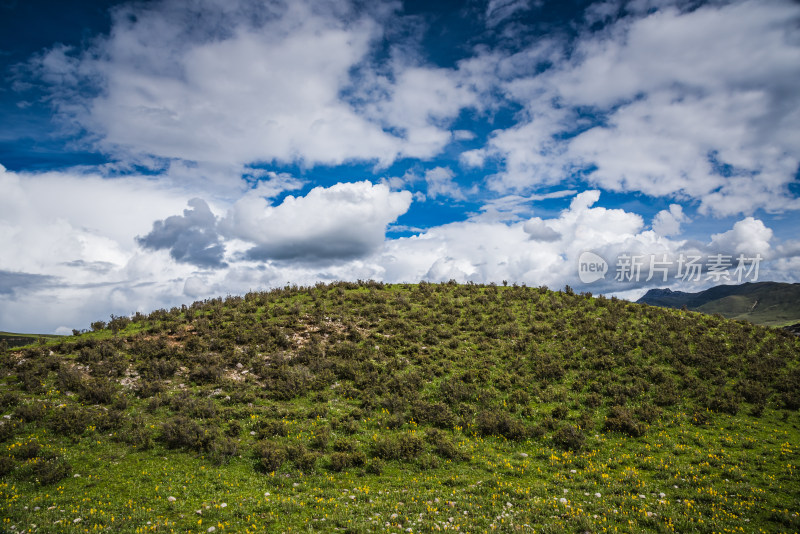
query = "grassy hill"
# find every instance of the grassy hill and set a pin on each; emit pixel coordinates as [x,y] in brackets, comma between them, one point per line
[402,408]
[768,303]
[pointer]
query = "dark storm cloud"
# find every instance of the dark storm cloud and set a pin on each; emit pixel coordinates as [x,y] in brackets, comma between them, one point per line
[190,238]
[13,283]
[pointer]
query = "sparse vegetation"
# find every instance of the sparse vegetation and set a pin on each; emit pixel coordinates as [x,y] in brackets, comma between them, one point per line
[371,407]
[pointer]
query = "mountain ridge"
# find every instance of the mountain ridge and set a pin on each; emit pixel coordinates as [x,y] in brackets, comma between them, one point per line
[767,303]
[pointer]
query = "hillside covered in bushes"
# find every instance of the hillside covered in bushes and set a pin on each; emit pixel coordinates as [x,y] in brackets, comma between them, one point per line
[371,407]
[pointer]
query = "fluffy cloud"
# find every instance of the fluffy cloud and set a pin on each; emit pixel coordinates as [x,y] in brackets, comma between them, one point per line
[341,222]
[693,105]
[231,83]
[537,251]
[668,222]
[440,183]
[748,236]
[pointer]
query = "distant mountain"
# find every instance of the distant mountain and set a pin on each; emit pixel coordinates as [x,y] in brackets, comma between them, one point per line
[768,303]
[18,340]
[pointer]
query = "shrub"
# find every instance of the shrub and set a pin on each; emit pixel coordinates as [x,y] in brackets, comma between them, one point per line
[182,432]
[222,449]
[342,460]
[320,439]
[69,421]
[158,369]
[569,438]
[26,451]
[149,389]
[444,446]
[271,428]
[701,417]
[375,466]
[7,465]
[137,433]
[437,414]
[497,423]
[666,394]
[559,412]
[234,428]
[9,400]
[725,402]
[97,391]
[427,461]
[621,420]
[49,470]
[647,413]
[30,412]
[303,459]
[269,456]
[205,374]
[593,400]
[404,447]
[394,421]
[344,445]
[7,430]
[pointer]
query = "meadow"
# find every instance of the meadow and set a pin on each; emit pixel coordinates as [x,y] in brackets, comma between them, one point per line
[365,407]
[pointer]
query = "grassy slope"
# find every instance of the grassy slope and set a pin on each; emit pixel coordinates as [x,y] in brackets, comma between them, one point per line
[384,408]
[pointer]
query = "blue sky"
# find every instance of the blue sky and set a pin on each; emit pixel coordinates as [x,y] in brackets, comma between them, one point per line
[155,153]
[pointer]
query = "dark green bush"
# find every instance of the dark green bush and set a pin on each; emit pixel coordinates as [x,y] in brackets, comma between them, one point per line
[69,421]
[428,461]
[48,470]
[437,414]
[402,447]
[319,441]
[342,460]
[147,389]
[137,433]
[344,445]
[183,433]
[8,430]
[27,450]
[268,428]
[9,399]
[269,456]
[97,391]
[497,423]
[234,428]
[621,420]
[375,466]
[569,438]
[29,413]
[158,369]
[7,464]
[559,412]
[221,449]
[444,446]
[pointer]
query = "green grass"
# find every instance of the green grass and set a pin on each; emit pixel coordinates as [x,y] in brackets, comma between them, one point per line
[388,408]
